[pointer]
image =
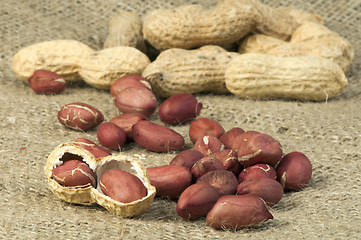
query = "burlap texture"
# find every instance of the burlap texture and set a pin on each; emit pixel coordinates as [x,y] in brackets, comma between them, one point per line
[328,133]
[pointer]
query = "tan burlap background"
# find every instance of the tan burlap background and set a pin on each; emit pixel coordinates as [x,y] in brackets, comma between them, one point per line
[329,133]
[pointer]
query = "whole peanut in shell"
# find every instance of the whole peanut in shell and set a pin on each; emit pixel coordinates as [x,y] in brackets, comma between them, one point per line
[126,122]
[238,212]
[111,135]
[259,148]
[80,116]
[92,147]
[125,29]
[179,108]
[101,68]
[169,180]
[208,145]
[204,126]
[228,137]
[225,181]
[156,138]
[74,173]
[189,71]
[230,160]
[122,186]
[268,189]
[136,100]
[294,171]
[60,56]
[46,82]
[186,158]
[260,170]
[303,77]
[128,81]
[196,201]
[206,164]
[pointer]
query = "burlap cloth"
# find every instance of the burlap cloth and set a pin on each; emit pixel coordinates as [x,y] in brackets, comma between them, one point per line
[329,133]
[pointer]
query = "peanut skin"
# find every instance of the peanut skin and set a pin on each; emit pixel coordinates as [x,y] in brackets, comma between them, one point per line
[294,171]
[80,116]
[122,186]
[196,201]
[92,147]
[74,173]
[238,212]
[156,138]
[169,180]
[303,77]
[46,82]
[204,126]
[179,108]
[225,181]
[268,189]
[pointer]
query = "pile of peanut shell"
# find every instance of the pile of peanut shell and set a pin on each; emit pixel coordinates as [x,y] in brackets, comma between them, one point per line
[230,177]
[192,49]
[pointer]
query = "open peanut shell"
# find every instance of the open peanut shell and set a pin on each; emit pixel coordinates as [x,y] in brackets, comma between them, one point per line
[87,194]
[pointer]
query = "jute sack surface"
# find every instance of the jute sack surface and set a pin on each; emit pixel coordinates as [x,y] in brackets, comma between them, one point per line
[329,133]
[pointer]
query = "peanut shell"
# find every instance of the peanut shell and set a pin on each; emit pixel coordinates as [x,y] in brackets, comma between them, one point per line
[257,75]
[60,56]
[101,68]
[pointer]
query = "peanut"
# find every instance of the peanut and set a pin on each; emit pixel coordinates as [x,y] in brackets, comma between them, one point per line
[208,145]
[259,148]
[238,212]
[179,108]
[122,186]
[225,181]
[126,122]
[294,171]
[74,173]
[136,100]
[186,158]
[125,29]
[111,135]
[62,57]
[196,201]
[229,137]
[268,189]
[259,75]
[205,165]
[230,160]
[257,171]
[204,126]
[128,81]
[301,16]
[101,68]
[46,82]
[80,116]
[169,180]
[156,138]
[309,39]
[193,26]
[189,71]
[92,147]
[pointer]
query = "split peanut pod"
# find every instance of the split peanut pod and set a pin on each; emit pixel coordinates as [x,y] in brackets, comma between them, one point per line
[87,194]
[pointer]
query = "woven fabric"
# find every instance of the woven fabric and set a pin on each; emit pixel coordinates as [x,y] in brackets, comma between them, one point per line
[329,133]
